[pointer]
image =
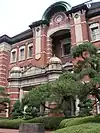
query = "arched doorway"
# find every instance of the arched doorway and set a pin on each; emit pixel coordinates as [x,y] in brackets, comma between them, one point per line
[61,44]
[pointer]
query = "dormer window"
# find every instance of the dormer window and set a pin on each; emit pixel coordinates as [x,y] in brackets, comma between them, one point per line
[95,31]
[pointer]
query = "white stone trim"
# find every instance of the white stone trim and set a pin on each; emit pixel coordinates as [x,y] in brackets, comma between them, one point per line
[98,51]
[21,94]
[94,25]
[78,24]
[60,27]
[49,49]
[13,92]
[2,69]
[38,43]
[77,108]
[15,99]
[5,47]
[2,57]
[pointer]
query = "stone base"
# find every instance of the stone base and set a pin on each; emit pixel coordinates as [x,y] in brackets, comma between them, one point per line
[31,128]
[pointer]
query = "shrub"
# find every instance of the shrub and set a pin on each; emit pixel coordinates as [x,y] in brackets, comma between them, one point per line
[17,110]
[83,128]
[77,121]
[49,122]
[13,124]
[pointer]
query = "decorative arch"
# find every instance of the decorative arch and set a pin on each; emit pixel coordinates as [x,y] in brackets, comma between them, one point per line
[54,30]
[54,8]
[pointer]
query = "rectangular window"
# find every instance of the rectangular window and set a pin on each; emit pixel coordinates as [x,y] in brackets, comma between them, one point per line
[66,49]
[30,51]
[13,56]
[66,44]
[22,54]
[95,33]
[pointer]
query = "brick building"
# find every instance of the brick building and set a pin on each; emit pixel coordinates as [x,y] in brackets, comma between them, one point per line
[40,53]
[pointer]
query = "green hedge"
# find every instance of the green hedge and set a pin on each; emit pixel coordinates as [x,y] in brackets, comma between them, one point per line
[49,122]
[77,121]
[13,124]
[82,128]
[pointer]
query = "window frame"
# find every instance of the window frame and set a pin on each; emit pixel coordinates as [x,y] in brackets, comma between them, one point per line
[20,58]
[11,55]
[93,26]
[29,45]
[65,42]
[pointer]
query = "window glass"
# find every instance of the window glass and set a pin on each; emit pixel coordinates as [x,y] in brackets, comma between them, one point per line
[13,56]
[30,52]
[22,55]
[95,33]
[66,48]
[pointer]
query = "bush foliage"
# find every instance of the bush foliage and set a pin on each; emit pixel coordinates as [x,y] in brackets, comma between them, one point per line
[82,128]
[78,121]
[51,123]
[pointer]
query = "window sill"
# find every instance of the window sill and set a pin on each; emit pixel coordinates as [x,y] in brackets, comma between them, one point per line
[95,40]
[13,62]
[29,58]
[21,60]
[66,56]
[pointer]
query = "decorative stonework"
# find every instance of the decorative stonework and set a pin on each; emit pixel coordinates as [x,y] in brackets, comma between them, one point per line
[5,47]
[38,43]
[59,17]
[78,27]
[55,29]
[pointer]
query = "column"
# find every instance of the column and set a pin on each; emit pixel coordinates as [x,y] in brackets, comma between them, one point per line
[21,94]
[49,48]
[98,107]
[77,108]
[72,107]
[7,111]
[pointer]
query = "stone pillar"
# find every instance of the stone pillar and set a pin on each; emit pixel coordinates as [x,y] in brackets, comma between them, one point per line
[49,48]
[46,109]
[79,27]
[21,94]
[40,41]
[77,108]
[98,107]
[72,107]
[41,110]
[7,111]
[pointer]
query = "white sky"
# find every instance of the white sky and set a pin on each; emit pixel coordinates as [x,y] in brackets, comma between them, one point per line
[17,15]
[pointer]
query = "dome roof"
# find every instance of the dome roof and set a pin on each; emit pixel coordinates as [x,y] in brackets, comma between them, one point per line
[54,8]
[16,69]
[55,60]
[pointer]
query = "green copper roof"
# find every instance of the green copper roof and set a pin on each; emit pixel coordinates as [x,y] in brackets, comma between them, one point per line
[56,7]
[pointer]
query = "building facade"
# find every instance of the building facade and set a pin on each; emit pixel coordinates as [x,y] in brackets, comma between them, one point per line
[42,52]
